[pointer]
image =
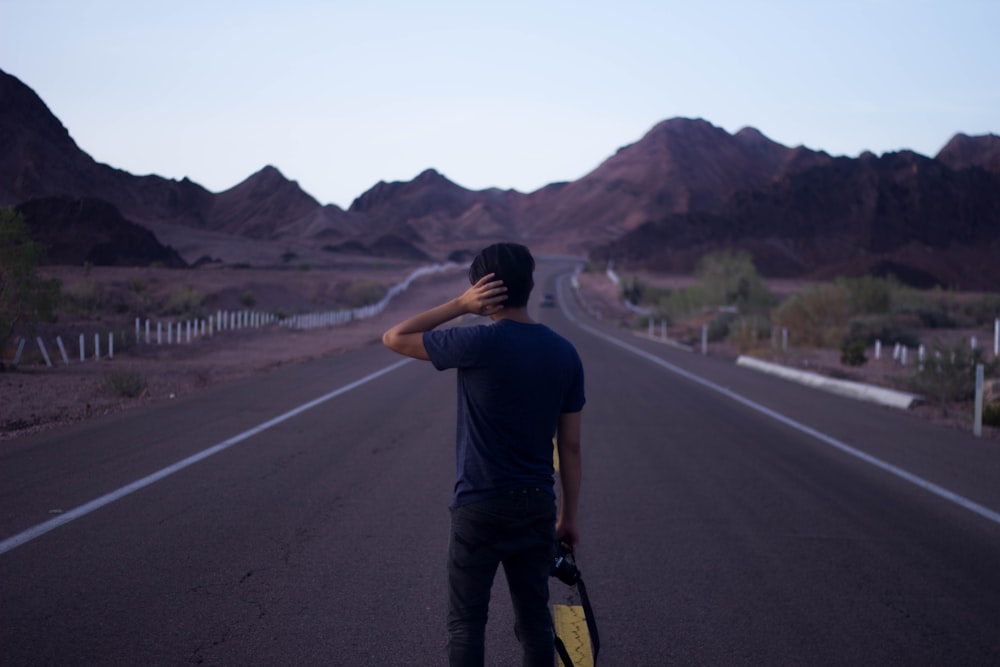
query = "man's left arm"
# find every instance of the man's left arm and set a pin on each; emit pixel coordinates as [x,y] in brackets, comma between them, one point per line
[484,298]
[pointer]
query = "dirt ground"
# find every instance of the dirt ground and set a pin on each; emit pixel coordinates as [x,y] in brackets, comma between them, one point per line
[36,397]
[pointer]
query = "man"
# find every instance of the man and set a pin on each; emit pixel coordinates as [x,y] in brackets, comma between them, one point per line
[519,383]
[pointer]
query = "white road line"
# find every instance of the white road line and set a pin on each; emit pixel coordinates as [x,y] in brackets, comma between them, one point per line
[931,487]
[87,508]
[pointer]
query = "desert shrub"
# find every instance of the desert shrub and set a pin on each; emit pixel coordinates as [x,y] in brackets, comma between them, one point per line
[746,333]
[888,329]
[85,298]
[983,310]
[719,326]
[184,302]
[869,295]
[678,305]
[991,414]
[248,299]
[729,278]
[141,297]
[816,317]
[125,383]
[852,353]
[363,292]
[949,372]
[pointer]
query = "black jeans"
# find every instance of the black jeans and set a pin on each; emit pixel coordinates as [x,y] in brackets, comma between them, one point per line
[518,530]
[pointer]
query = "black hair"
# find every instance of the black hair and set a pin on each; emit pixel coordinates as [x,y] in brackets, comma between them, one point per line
[513,264]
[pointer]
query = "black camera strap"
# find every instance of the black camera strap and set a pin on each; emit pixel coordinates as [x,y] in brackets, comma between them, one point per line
[588,615]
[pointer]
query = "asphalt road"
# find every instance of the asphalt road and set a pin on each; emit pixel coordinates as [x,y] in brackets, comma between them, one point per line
[728,518]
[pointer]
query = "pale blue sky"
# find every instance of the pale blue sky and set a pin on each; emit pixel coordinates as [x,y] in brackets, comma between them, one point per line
[340,95]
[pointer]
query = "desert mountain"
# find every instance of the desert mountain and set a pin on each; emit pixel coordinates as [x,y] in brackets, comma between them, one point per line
[685,188]
[964,152]
[92,231]
[681,165]
[902,214]
[38,158]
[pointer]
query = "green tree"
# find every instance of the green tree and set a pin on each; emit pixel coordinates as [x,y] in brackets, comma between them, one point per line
[24,298]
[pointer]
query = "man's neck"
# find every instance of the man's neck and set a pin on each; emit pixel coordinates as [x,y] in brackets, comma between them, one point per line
[514,315]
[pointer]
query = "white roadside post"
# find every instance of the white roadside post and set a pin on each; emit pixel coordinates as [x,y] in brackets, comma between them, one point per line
[878,350]
[704,339]
[62,350]
[97,346]
[977,424]
[996,337]
[147,331]
[20,350]
[138,331]
[111,345]
[83,356]
[159,333]
[45,353]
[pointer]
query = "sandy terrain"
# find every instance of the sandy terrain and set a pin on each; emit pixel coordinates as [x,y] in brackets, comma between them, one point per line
[37,397]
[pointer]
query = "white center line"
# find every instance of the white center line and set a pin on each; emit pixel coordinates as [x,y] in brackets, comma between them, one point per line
[108,498]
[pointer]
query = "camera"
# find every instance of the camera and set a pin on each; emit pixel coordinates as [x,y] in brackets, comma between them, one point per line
[564,567]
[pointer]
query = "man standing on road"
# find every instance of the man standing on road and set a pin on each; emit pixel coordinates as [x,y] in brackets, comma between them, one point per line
[519,384]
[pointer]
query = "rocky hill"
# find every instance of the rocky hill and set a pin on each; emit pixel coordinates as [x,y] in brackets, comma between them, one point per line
[685,188]
[81,231]
[901,214]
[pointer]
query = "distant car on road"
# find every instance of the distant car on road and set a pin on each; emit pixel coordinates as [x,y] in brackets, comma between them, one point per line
[548,301]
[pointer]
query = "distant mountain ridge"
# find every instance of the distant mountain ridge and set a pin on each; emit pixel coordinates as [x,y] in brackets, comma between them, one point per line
[684,188]
[901,213]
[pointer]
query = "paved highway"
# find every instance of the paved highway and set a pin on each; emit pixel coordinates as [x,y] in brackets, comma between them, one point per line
[299,518]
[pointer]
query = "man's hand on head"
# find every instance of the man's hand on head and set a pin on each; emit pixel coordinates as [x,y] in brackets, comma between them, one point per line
[486,297]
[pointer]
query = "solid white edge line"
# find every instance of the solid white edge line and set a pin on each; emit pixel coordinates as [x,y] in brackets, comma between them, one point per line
[920,482]
[108,498]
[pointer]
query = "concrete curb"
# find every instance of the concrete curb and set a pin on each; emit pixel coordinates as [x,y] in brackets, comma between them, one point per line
[857,390]
[664,341]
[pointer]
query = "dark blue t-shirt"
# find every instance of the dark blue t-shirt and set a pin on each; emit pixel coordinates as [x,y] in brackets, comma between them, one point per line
[514,380]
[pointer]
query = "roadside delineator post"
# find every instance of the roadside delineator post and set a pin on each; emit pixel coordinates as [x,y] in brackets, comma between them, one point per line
[62,350]
[977,423]
[17,355]
[45,353]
